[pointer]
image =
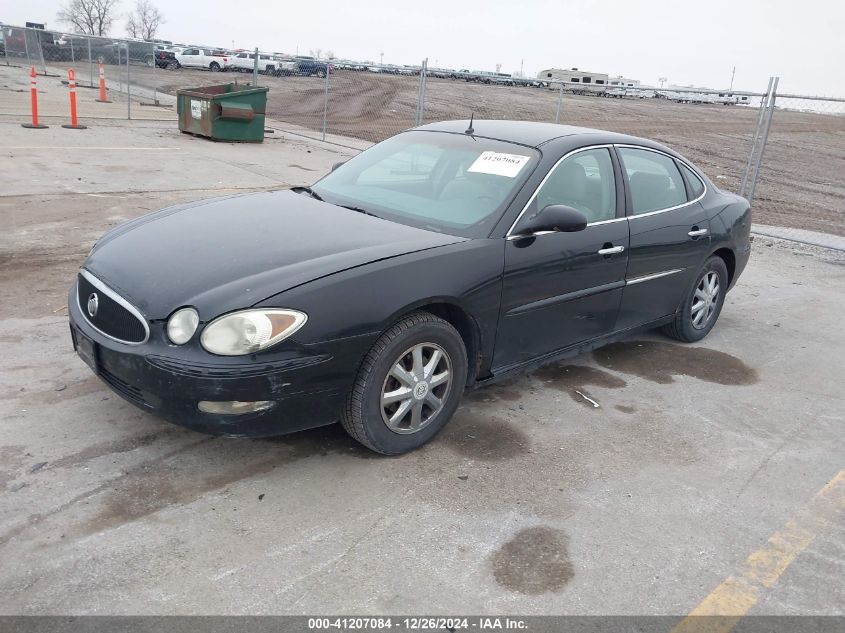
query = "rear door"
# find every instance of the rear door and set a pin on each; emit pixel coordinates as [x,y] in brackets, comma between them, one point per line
[189,57]
[563,288]
[670,234]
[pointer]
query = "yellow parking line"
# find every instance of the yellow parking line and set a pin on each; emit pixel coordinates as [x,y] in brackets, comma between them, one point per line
[732,599]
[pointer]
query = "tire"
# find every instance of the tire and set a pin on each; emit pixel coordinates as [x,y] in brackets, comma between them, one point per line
[214,67]
[685,326]
[321,74]
[367,420]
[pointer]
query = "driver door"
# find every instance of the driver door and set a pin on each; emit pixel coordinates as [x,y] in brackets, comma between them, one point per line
[560,289]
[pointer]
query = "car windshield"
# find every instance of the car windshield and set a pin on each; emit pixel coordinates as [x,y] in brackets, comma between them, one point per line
[451,183]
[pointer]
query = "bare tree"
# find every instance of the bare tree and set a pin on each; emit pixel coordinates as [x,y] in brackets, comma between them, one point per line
[92,17]
[330,55]
[145,21]
[317,53]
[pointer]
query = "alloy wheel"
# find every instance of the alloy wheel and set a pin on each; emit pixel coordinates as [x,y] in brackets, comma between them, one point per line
[706,300]
[416,388]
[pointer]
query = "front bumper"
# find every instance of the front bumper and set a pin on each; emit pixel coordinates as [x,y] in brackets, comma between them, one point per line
[308,386]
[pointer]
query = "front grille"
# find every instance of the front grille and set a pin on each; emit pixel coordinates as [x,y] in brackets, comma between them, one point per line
[112,317]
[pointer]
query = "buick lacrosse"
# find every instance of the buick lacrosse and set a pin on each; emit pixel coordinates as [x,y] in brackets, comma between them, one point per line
[443,258]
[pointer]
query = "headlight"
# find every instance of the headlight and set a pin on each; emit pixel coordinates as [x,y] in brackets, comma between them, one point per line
[250,331]
[181,325]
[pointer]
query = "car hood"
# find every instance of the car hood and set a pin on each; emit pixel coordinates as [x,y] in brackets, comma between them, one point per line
[229,253]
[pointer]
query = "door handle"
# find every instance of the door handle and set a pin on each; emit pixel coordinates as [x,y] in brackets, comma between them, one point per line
[612,250]
[697,232]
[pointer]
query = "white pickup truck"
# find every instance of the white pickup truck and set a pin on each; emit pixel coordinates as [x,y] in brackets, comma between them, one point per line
[208,58]
[245,62]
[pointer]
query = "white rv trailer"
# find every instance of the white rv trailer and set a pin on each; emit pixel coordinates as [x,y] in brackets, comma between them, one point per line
[623,82]
[587,81]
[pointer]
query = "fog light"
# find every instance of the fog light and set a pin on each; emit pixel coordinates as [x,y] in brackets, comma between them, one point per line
[233,407]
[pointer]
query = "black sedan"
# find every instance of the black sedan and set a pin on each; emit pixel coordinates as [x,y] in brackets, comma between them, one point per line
[443,258]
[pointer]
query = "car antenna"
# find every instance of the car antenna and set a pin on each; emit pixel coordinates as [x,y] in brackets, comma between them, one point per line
[470,129]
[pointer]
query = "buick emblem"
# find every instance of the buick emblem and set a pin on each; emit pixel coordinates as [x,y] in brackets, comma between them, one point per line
[93,304]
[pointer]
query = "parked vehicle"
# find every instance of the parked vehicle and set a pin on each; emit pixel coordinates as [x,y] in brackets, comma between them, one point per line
[245,62]
[285,66]
[443,258]
[165,58]
[309,67]
[213,60]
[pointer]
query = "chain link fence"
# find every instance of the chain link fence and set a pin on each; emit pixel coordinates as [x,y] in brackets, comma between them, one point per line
[799,182]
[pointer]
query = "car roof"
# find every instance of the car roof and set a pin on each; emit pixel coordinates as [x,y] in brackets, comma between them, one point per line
[532,133]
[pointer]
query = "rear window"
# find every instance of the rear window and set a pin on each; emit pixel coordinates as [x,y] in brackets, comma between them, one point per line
[654,180]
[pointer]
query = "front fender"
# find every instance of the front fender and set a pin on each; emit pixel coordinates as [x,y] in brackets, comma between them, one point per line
[364,301]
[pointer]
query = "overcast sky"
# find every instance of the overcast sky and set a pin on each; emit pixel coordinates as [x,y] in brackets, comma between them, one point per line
[688,41]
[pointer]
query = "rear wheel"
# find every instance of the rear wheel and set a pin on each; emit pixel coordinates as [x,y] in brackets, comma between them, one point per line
[703,304]
[408,386]
[214,67]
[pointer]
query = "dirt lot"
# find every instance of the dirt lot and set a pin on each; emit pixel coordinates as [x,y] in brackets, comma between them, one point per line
[531,502]
[801,185]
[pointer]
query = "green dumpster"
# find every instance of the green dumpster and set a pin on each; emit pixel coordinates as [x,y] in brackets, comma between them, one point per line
[226,112]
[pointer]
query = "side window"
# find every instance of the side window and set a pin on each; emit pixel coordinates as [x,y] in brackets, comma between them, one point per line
[696,186]
[584,181]
[655,180]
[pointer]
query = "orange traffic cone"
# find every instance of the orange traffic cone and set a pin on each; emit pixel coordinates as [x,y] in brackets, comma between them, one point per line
[103,97]
[35,125]
[71,83]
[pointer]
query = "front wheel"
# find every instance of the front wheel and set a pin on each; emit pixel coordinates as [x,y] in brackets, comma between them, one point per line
[703,303]
[214,67]
[408,386]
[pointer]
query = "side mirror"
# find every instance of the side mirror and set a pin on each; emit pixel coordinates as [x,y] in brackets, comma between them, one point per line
[555,217]
[336,165]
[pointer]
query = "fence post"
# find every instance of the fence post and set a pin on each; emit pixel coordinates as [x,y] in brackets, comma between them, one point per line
[128,87]
[419,91]
[255,70]
[423,79]
[155,84]
[763,104]
[72,54]
[559,103]
[90,64]
[764,140]
[326,101]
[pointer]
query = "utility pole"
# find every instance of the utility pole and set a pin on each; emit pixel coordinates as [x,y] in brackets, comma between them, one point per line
[521,62]
[733,72]
[381,59]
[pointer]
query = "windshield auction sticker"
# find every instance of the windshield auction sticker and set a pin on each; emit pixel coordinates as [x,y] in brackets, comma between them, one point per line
[508,165]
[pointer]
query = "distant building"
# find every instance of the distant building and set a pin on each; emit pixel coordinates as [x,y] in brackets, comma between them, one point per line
[574,76]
